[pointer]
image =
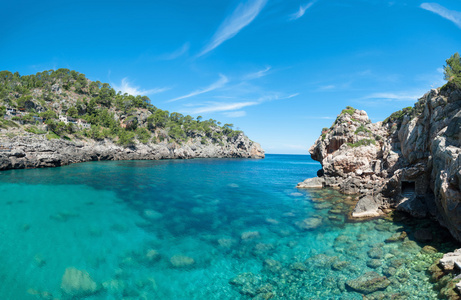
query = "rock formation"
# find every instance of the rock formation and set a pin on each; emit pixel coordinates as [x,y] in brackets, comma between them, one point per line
[36,151]
[410,161]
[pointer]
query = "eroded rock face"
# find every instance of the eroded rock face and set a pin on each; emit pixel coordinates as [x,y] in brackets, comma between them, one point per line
[35,151]
[410,161]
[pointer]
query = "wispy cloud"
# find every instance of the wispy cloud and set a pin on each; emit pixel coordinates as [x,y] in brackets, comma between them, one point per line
[258,74]
[235,114]
[243,15]
[231,108]
[397,96]
[327,87]
[126,87]
[302,10]
[221,107]
[451,15]
[177,53]
[318,118]
[216,85]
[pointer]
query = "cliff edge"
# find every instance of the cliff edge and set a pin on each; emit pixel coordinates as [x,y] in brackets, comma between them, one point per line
[410,161]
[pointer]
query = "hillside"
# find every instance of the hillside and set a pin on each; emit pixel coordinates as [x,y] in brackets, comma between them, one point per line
[58,117]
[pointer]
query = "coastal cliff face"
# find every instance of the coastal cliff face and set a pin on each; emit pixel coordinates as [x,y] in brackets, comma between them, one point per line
[58,117]
[410,161]
[35,151]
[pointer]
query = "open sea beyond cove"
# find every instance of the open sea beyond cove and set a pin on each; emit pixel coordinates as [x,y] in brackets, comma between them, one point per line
[201,229]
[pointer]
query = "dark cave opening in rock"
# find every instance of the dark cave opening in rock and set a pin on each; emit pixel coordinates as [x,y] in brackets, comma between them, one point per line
[408,188]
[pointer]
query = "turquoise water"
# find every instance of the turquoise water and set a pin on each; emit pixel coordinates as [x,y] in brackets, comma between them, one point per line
[195,229]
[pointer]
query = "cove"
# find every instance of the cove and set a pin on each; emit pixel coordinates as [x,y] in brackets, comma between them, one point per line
[202,229]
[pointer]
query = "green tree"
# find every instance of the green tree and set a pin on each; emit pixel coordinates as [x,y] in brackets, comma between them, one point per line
[453,70]
[126,138]
[73,112]
[2,111]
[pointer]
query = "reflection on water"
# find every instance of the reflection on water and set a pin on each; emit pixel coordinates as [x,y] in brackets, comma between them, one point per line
[200,229]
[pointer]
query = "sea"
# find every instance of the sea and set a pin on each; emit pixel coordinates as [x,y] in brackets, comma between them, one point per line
[201,229]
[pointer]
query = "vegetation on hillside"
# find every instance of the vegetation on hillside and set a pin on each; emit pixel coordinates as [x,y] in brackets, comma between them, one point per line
[452,71]
[121,117]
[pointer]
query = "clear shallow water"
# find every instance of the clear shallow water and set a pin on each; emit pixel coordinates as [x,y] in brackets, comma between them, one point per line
[132,224]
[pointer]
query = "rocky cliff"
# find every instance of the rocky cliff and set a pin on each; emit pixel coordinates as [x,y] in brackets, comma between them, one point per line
[410,161]
[27,150]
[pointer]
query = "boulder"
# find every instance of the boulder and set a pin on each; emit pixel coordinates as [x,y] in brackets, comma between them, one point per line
[368,206]
[312,183]
[450,260]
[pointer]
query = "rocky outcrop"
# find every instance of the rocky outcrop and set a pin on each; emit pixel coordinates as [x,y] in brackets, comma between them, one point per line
[35,151]
[410,161]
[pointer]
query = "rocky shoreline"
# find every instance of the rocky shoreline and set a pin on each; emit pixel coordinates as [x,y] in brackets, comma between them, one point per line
[409,162]
[26,151]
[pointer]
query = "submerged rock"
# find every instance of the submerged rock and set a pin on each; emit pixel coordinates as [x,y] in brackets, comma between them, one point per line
[309,223]
[339,265]
[368,283]
[397,237]
[374,263]
[298,266]
[375,252]
[78,283]
[249,235]
[247,283]
[272,265]
[429,250]
[181,261]
[152,255]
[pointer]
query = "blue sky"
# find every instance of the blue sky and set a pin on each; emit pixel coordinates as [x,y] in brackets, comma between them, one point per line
[278,69]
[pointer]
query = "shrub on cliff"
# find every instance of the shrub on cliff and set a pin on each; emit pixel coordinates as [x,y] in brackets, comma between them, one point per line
[398,115]
[452,70]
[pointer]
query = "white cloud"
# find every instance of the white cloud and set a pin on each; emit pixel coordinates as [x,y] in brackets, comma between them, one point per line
[302,10]
[319,118]
[126,87]
[216,85]
[257,74]
[226,107]
[177,53]
[399,96]
[243,15]
[451,15]
[221,107]
[235,114]
[327,87]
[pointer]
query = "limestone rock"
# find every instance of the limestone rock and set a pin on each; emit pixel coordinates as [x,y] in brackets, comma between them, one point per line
[450,260]
[411,161]
[367,206]
[311,183]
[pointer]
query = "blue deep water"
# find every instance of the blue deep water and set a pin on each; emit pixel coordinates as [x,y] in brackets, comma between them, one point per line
[194,229]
